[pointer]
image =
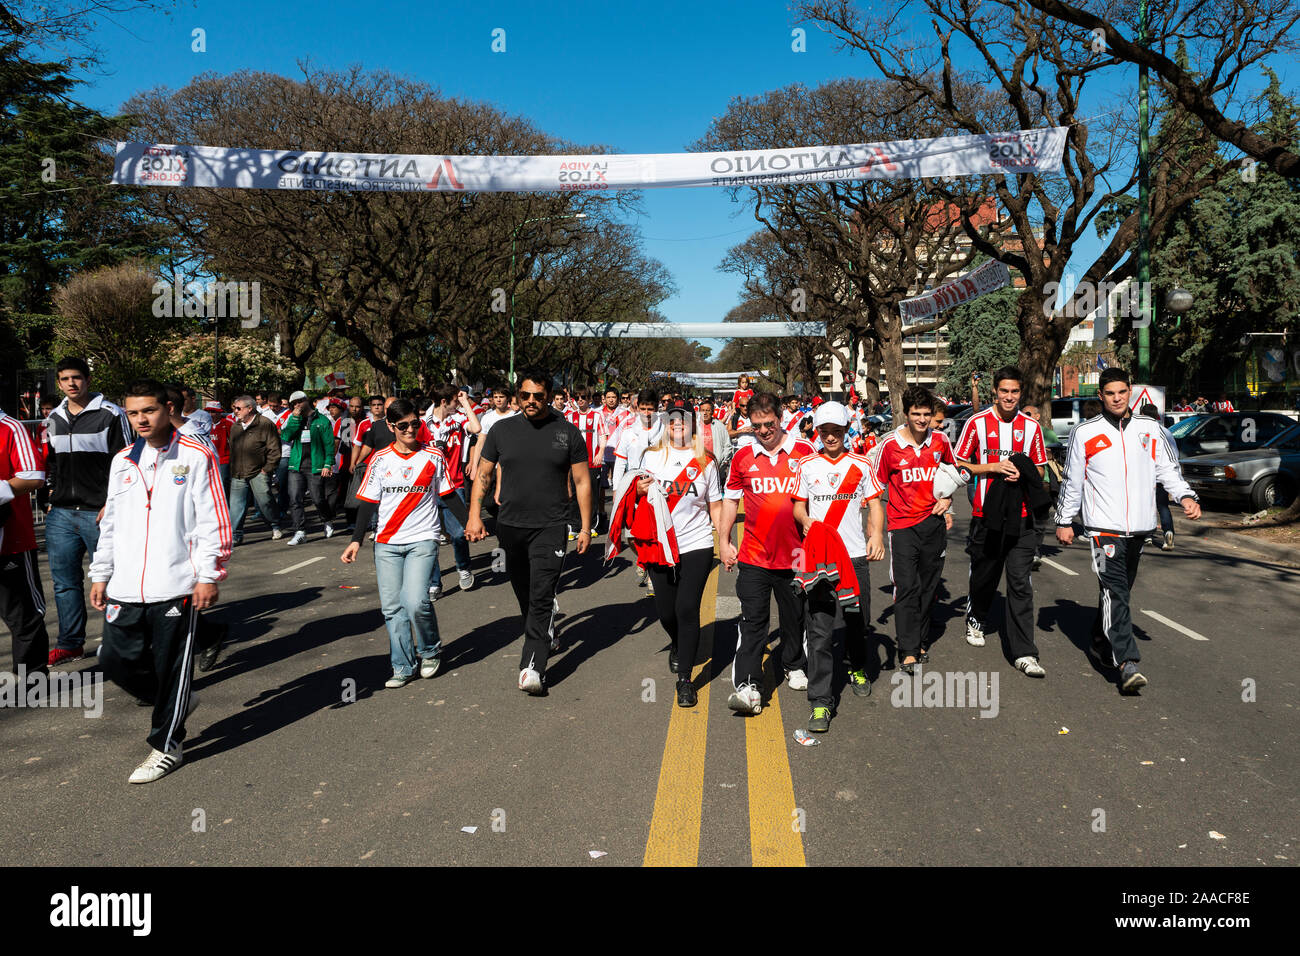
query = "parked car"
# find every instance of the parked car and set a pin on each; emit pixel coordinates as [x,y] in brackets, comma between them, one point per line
[1222,432]
[1068,412]
[1264,477]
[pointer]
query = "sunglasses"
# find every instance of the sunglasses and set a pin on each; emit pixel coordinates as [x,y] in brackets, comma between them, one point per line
[764,427]
[524,396]
[406,426]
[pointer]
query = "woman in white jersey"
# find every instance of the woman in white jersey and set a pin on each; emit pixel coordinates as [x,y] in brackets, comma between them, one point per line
[403,484]
[688,476]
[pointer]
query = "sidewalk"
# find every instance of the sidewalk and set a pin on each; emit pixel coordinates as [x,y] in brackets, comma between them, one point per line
[1285,554]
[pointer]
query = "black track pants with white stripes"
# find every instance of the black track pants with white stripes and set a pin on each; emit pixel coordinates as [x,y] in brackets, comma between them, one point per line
[148,651]
[1115,559]
[534,560]
[22,605]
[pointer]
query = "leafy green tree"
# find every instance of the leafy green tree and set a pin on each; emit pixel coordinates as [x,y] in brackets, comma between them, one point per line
[982,337]
[1237,250]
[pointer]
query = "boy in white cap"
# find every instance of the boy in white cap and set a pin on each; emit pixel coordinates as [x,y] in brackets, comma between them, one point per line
[834,487]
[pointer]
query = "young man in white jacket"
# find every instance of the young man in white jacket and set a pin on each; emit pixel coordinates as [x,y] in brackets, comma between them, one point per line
[164,542]
[1111,470]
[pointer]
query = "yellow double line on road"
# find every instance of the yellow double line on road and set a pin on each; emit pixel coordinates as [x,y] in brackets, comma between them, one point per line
[675,826]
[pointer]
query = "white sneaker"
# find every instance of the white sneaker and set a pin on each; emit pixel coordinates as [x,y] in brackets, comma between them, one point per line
[530,681]
[650,585]
[798,680]
[640,576]
[1030,666]
[1168,542]
[429,666]
[398,680]
[298,537]
[156,765]
[572,534]
[329,530]
[434,593]
[746,700]
[974,634]
[276,534]
[466,580]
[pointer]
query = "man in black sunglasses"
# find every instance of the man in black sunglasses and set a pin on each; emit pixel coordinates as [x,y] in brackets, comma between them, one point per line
[538,451]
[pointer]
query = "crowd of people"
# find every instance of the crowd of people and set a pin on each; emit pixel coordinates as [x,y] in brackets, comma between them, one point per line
[157,491]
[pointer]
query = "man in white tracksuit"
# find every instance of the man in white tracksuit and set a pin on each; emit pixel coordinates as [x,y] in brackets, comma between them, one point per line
[164,541]
[1111,470]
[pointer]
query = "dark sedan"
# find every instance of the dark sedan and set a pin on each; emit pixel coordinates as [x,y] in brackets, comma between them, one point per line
[1224,432]
[1264,477]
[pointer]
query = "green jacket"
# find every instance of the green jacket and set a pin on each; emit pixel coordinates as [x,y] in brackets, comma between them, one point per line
[322,442]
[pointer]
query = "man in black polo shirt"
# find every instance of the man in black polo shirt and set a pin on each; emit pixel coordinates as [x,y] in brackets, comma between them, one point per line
[538,451]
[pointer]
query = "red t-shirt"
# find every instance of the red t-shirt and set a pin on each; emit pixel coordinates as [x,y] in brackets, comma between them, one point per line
[767,483]
[739,398]
[18,459]
[221,438]
[987,438]
[592,426]
[908,473]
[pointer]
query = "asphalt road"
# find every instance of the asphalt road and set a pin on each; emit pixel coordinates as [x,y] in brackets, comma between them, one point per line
[281,769]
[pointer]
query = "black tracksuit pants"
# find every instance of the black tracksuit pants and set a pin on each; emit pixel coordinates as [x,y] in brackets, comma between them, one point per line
[755,587]
[1010,549]
[822,607]
[916,556]
[534,560]
[148,651]
[678,591]
[22,605]
[1115,559]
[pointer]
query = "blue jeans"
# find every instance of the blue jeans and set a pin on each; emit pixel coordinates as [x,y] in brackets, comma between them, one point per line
[69,536]
[260,486]
[403,573]
[451,526]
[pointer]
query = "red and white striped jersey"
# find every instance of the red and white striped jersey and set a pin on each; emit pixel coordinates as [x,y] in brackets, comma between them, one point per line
[614,419]
[18,459]
[592,426]
[406,488]
[448,435]
[836,490]
[987,438]
[907,472]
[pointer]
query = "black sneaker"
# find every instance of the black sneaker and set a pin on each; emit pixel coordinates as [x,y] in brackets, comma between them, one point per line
[208,657]
[858,681]
[1131,678]
[820,722]
[686,696]
[672,660]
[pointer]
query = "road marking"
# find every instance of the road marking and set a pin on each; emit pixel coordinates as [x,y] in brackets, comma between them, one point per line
[1060,567]
[300,564]
[773,839]
[1175,625]
[675,826]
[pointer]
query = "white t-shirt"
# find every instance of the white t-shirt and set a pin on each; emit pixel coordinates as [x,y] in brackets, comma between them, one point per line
[490,418]
[406,488]
[689,492]
[836,491]
[201,420]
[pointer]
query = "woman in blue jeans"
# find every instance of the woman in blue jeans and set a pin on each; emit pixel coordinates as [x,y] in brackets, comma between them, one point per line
[402,485]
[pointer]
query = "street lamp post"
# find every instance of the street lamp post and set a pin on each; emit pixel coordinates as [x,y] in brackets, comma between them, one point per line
[1144,223]
[513,237]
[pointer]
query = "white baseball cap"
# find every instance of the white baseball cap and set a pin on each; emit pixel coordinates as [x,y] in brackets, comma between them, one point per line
[831,413]
[297,397]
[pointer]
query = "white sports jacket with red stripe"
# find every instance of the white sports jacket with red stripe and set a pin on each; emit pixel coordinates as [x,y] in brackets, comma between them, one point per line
[1111,472]
[161,536]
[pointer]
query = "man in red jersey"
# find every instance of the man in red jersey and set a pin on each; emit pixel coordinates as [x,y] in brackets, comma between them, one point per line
[764,472]
[986,445]
[591,425]
[918,522]
[22,599]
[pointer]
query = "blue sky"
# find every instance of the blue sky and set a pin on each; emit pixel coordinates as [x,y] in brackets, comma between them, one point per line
[636,77]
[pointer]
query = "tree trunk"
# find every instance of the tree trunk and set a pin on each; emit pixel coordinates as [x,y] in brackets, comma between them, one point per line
[1041,345]
[890,343]
[870,390]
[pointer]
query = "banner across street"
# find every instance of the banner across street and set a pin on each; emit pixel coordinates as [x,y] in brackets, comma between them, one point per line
[221,167]
[674,330]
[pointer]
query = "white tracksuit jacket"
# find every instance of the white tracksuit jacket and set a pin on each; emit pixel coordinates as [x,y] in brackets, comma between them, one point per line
[155,545]
[1112,473]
